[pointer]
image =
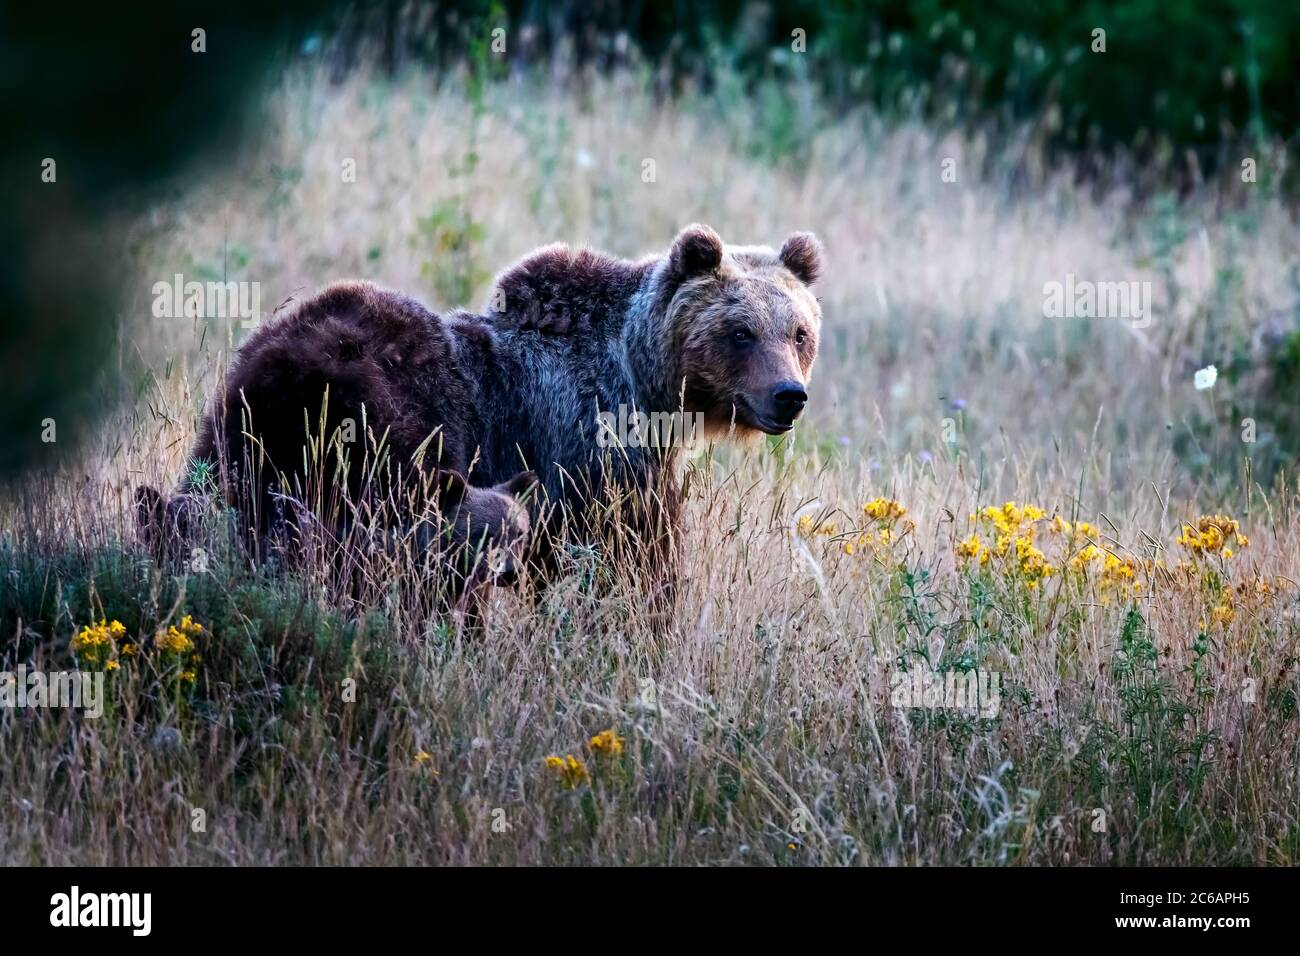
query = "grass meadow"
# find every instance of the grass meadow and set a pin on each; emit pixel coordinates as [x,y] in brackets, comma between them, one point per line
[975,488]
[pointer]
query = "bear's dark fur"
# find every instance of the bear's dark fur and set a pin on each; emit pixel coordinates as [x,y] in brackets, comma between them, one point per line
[706,329]
[354,362]
[728,333]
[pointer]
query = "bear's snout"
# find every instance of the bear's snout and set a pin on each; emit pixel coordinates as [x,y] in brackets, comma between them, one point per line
[788,400]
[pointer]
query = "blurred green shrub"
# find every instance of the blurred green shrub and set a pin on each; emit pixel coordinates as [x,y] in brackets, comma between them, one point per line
[1172,75]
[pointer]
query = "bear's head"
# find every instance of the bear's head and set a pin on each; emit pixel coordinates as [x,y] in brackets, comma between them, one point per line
[747,327]
[485,530]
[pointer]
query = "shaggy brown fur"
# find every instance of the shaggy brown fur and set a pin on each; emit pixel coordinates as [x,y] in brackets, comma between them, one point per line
[352,362]
[375,367]
[727,332]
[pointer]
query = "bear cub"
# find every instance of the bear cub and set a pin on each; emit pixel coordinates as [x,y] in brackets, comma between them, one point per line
[480,535]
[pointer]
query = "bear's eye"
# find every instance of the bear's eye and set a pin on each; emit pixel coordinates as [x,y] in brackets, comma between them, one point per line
[742,336]
[800,337]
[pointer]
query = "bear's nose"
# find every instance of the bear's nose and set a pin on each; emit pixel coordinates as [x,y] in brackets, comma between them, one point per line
[788,399]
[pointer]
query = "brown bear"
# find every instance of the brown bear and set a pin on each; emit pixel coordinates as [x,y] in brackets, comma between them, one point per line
[725,333]
[569,338]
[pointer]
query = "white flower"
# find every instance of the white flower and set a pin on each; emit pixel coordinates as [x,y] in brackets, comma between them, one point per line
[1206,377]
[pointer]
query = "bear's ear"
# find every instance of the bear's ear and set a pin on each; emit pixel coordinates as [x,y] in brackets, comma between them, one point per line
[451,488]
[520,484]
[802,255]
[696,250]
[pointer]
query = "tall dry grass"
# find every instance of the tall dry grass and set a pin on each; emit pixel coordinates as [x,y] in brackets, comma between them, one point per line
[761,727]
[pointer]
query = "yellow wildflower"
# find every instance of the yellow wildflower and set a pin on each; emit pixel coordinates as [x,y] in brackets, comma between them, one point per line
[970,548]
[884,509]
[607,742]
[1085,556]
[174,641]
[1119,574]
[96,644]
[424,757]
[179,638]
[572,771]
[1033,563]
[807,527]
[1212,534]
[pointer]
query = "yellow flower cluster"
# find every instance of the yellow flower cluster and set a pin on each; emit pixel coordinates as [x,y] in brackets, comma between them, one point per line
[1213,534]
[607,742]
[808,528]
[886,512]
[1079,531]
[883,509]
[1010,519]
[1013,538]
[1248,597]
[424,760]
[1033,563]
[1114,569]
[179,640]
[972,547]
[1010,535]
[1085,556]
[571,770]
[1013,530]
[1119,575]
[96,644]
[103,645]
